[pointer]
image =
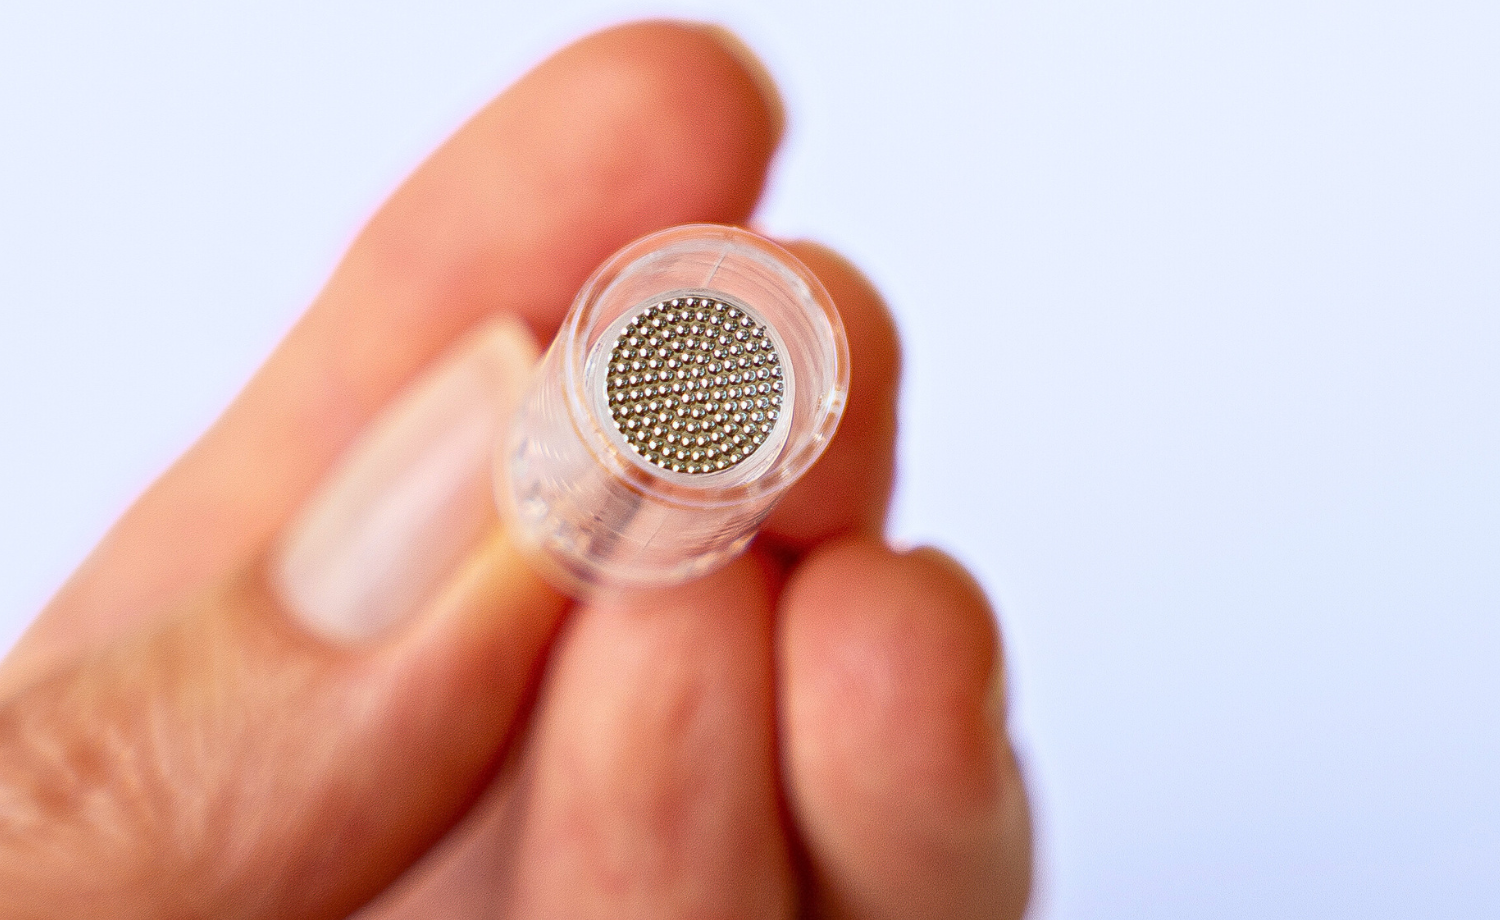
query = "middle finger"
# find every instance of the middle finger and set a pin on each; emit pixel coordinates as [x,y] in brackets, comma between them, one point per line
[849,489]
[650,784]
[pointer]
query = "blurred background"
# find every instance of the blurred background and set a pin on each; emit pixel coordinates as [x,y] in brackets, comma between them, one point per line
[1202,311]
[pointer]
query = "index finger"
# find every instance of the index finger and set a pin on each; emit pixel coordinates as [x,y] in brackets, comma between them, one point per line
[627,131]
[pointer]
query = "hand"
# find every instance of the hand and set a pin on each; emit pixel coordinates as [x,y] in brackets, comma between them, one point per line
[246,704]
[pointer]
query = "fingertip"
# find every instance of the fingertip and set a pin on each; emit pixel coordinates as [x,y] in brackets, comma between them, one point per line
[652,778]
[626,131]
[754,68]
[715,58]
[871,327]
[849,488]
[908,641]
[903,785]
[694,91]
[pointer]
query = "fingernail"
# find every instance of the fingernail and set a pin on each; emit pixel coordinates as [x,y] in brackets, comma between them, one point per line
[756,69]
[412,496]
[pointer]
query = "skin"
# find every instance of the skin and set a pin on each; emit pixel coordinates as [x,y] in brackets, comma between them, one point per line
[816,729]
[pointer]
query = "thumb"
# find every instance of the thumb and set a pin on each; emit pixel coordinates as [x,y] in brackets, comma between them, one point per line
[291,739]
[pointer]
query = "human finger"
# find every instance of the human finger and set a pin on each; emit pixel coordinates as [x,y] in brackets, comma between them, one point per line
[649,781]
[901,780]
[849,489]
[293,737]
[624,132]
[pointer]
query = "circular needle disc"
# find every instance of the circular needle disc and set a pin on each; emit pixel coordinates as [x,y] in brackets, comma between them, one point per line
[694,384]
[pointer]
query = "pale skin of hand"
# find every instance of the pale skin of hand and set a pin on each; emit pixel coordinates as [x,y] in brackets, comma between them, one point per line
[818,729]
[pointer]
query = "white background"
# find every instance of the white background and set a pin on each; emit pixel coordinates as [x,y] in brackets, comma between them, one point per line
[1202,303]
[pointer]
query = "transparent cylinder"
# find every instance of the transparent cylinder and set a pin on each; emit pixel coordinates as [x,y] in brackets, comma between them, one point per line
[593,496]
